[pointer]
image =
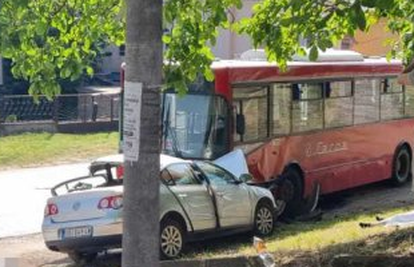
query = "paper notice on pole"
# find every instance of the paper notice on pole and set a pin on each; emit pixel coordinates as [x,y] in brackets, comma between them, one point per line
[132,120]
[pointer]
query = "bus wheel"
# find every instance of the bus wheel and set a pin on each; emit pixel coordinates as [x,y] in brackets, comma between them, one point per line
[401,167]
[292,189]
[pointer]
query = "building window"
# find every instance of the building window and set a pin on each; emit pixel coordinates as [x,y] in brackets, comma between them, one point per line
[347,43]
[122,50]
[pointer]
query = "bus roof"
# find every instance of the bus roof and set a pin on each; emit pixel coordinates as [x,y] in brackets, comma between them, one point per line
[241,71]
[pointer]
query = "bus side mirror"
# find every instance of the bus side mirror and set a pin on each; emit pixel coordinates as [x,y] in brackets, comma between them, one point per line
[240,124]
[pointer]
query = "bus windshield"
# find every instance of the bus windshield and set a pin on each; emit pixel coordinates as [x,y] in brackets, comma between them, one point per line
[195,126]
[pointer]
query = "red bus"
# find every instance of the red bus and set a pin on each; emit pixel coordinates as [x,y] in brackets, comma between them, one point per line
[321,127]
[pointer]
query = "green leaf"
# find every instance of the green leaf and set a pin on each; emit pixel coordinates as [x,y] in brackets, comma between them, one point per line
[360,16]
[166,39]
[313,53]
[371,3]
[41,27]
[89,70]
[65,72]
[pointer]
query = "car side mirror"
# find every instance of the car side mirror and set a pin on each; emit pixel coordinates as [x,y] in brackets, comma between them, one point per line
[245,177]
[240,124]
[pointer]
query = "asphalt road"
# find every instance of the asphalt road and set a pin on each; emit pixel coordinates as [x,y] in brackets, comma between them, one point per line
[23,194]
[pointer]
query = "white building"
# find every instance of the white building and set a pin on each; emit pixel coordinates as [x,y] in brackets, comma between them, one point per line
[229,45]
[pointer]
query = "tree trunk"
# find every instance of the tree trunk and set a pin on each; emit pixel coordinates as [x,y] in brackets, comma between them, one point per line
[141,181]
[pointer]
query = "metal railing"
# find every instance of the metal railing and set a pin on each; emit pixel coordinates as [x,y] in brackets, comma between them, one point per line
[63,109]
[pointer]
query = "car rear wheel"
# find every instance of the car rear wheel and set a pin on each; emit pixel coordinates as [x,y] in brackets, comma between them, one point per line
[401,170]
[171,239]
[264,219]
[79,257]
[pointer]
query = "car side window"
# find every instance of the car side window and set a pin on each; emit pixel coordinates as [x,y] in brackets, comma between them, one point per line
[216,175]
[179,174]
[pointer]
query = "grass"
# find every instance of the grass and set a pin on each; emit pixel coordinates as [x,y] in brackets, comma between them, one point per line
[316,243]
[34,149]
[308,244]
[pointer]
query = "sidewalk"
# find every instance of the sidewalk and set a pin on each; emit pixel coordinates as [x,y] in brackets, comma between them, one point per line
[24,192]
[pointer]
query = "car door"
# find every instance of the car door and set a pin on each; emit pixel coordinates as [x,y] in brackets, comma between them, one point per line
[192,194]
[232,198]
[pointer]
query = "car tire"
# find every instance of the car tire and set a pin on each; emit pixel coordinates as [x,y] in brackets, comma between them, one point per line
[293,188]
[401,167]
[172,239]
[81,258]
[264,219]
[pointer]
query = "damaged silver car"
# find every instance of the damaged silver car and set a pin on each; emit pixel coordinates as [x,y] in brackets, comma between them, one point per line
[198,200]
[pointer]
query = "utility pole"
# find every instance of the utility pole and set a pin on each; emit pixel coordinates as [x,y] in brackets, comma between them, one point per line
[142,133]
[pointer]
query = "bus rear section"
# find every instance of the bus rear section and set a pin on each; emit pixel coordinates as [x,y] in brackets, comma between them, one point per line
[325,126]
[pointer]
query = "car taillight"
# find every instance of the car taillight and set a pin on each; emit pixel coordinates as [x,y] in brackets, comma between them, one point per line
[51,209]
[112,202]
[120,172]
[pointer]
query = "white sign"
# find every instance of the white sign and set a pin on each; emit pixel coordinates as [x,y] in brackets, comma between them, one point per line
[132,120]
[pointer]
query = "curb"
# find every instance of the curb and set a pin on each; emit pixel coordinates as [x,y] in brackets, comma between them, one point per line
[240,261]
[372,261]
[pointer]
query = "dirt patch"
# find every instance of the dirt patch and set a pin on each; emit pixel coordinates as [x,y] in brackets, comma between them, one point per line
[373,198]
[30,251]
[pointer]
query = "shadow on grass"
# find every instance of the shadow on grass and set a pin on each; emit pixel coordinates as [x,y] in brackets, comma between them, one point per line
[380,247]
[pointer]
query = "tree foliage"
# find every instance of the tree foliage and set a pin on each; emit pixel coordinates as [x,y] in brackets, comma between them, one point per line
[51,39]
[280,25]
[192,26]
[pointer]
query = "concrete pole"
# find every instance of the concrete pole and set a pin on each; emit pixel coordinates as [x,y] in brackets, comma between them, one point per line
[141,133]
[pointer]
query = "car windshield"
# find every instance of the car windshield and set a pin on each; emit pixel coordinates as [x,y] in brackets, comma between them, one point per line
[195,125]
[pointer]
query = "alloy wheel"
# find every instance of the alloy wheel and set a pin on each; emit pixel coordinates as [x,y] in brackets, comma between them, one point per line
[171,241]
[264,220]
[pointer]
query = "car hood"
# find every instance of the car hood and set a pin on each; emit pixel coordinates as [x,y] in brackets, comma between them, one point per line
[234,162]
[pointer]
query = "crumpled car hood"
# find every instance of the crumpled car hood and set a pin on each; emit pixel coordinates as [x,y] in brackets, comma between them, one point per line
[234,162]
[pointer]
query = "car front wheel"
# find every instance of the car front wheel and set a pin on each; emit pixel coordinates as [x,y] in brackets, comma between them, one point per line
[171,239]
[264,220]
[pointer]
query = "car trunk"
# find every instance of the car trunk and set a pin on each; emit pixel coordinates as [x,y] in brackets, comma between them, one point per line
[83,205]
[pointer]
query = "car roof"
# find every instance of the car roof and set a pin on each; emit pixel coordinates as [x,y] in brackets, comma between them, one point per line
[118,159]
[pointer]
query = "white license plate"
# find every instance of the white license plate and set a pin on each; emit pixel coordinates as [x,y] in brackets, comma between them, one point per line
[76,232]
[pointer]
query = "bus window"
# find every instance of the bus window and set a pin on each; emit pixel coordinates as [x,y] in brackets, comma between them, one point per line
[195,126]
[338,107]
[280,108]
[409,101]
[307,113]
[366,97]
[391,100]
[253,104]
[391,85]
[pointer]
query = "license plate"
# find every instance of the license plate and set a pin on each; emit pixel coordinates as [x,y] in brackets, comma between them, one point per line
[76,232]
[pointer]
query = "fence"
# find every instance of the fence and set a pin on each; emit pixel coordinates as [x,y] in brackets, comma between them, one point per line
[63,109]
[78,113]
